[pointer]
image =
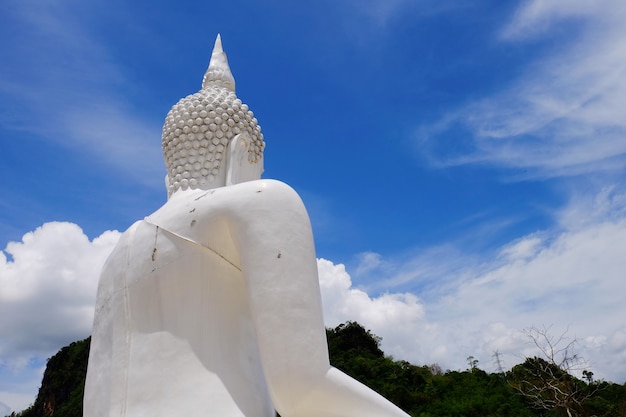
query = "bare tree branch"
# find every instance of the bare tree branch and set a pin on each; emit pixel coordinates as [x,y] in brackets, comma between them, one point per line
[547,382]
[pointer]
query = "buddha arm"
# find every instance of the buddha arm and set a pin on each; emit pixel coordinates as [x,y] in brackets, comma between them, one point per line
[272,233]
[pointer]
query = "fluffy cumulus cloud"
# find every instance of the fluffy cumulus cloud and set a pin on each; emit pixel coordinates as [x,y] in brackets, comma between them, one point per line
[48,286]
[562,116]
[47,290]
[397,317]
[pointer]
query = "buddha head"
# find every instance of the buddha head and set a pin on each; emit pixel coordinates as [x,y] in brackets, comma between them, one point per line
[211,139]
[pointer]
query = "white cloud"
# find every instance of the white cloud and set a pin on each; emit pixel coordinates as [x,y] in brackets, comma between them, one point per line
[368,261]
[535,17]
[522,249]
[48,286]
[563,116]
[4,409]
[608,203]
[398,318]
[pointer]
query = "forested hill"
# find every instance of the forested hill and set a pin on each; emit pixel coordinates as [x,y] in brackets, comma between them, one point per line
[61,391]
[533,388]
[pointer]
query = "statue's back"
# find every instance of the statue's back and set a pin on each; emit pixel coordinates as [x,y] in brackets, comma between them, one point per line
[161,338]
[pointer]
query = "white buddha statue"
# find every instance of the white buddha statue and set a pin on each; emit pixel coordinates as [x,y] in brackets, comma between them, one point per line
[211,305]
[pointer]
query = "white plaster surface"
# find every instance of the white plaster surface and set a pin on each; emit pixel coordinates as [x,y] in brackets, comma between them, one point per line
[211,305]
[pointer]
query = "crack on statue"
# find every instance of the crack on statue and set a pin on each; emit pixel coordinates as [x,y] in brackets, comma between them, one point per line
[192,210]
[204,195]
[193,242]
[154,250]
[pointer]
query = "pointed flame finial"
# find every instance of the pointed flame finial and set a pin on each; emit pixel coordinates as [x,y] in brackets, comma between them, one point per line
[218,74]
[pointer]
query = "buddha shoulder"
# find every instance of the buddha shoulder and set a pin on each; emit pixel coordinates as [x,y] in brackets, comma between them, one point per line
[248,196]
[236,200]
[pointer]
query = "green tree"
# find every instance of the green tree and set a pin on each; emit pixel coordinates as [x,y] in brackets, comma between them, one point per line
[472,362]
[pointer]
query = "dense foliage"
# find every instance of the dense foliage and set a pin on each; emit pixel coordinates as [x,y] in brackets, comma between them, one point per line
[63,384]
[422,391]
[427,391]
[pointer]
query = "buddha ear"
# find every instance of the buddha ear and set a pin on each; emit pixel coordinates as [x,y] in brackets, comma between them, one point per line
[167,186]
[237,159]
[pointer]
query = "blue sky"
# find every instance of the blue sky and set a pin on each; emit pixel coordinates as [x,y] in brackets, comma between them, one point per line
[462,162]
